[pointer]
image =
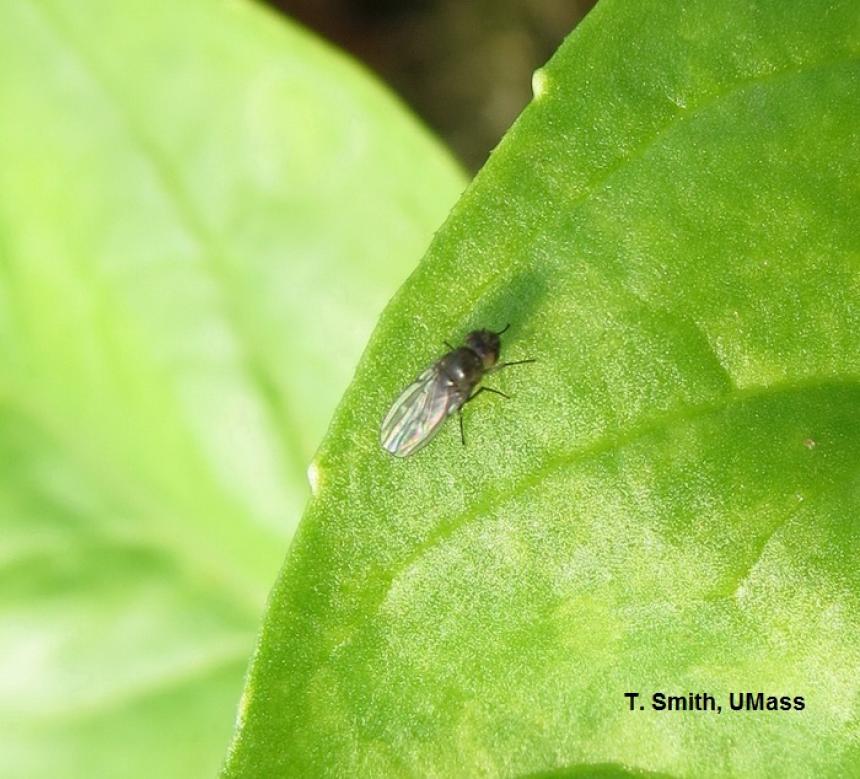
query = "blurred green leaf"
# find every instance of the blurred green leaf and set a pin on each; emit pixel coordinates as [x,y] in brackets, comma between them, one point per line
[202,212]
[671,500]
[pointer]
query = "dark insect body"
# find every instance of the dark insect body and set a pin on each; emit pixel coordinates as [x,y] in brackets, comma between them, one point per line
[444,388]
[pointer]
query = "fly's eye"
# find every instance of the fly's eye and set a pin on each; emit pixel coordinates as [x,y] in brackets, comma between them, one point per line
[490,358]
[486,345]
[482,342]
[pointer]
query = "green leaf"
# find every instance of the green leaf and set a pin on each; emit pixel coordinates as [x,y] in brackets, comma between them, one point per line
[671,499]
[203,211]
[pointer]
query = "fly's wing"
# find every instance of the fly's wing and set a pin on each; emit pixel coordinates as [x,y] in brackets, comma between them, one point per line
[417,414]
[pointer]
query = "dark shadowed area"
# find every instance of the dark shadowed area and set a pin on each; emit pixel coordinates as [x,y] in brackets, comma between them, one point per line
[464,66]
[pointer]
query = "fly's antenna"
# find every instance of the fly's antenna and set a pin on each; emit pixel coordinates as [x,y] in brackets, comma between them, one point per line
[504,329]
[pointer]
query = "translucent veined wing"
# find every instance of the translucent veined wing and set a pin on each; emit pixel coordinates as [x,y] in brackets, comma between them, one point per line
[418,413]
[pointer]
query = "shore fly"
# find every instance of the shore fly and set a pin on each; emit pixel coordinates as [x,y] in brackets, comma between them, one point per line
[445,387]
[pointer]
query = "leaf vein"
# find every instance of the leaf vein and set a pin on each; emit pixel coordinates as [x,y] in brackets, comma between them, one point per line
[607,444]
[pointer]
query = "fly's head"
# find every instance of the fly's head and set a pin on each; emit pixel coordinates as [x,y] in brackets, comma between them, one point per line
[486,344]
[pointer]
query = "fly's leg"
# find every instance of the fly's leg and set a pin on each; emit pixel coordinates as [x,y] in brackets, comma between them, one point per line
[471,398]
[509,364]
[486,389]
[450,348]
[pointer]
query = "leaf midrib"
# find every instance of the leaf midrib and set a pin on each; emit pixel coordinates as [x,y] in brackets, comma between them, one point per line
[609,442]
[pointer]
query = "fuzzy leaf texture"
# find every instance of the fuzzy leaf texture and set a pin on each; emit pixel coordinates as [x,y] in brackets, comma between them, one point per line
[671,499]
[202,212]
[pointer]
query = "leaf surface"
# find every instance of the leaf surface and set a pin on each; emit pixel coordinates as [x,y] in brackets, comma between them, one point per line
[202,212]
[671,500]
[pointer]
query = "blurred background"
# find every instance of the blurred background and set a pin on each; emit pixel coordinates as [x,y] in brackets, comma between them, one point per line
[464,67]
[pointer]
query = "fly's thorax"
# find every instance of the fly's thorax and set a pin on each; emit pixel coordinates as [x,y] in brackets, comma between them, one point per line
[464,368]
[486,345]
